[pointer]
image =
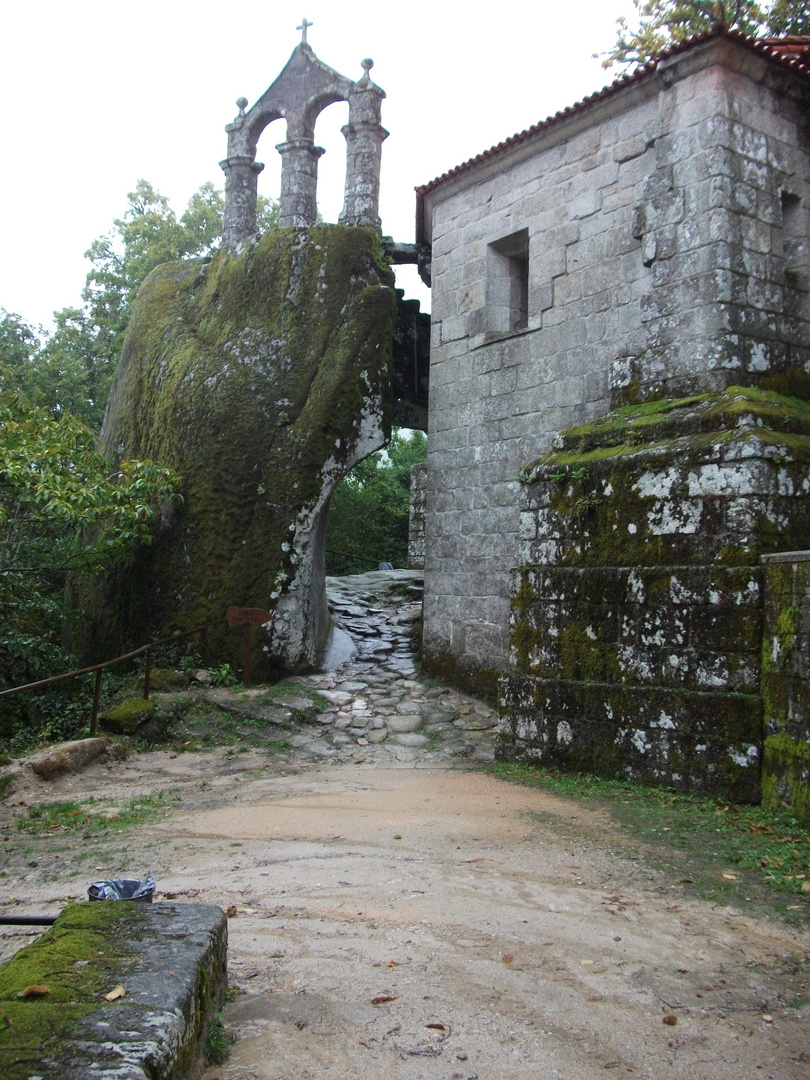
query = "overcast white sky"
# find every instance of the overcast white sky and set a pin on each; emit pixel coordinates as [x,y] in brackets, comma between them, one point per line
[96,94]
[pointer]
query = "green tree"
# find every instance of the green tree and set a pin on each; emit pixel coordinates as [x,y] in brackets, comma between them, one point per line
[789,17]
[368,515]
[75,366]
[19,343]
[662,23]
[61,511]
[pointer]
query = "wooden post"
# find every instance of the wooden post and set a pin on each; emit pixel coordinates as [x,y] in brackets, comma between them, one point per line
[247,617]
[246,654]
[96,698]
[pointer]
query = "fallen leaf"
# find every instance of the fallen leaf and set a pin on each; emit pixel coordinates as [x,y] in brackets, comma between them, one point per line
[397,836]
[231,911]
[436,1027]
[392,963]
[730,877]
[508,958]
[669,1018]
[382,998]
[115,994]
[806,886]
[35,991]
[586,962]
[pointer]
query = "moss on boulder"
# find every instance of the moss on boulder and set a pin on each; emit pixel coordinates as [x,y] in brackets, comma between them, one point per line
[126,718]
[261,378]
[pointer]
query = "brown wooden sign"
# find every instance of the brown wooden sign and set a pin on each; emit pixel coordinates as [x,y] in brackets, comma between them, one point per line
[247,616]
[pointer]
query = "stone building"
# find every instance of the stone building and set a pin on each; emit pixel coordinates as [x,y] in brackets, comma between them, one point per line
[646,245]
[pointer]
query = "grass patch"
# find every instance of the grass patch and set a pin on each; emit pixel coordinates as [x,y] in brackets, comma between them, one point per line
[218,1042]
[722,850]
[90,817]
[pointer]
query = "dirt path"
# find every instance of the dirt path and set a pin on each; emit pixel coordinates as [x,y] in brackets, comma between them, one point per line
[394,918]
[424,922]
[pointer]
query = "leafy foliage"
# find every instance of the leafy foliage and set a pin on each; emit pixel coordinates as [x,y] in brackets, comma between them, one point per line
[60,512]
[71,370]
[368,516]
[662,23]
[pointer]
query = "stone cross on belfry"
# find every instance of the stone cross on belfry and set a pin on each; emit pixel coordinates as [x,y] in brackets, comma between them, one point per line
[303,28]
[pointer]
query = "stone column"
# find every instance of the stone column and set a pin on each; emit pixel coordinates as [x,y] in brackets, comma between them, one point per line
[241,179]
[298,203]
[364,138]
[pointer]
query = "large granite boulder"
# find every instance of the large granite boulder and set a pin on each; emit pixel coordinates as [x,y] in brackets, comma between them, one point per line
[261,377]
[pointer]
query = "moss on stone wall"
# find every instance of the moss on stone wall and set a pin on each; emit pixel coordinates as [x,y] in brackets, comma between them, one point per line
[664,482]
[76,961]
[479,680]
[257,377]
[637,615]
[786,688]
[786,776]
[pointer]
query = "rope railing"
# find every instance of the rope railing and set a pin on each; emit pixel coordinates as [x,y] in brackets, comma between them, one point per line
[99,668]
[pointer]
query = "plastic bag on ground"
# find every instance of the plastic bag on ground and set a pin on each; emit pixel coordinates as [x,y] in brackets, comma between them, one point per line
[123,889]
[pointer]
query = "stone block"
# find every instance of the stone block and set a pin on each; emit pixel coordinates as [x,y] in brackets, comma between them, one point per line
[690,741]
[171,961]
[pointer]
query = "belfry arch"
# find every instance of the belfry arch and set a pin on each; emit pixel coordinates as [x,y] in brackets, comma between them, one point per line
[305,87]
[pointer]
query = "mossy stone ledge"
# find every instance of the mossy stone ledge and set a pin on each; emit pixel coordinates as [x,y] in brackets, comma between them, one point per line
[638,610]
[55,1021]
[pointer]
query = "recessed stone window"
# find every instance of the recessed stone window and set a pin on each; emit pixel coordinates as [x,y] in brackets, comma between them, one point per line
[508,284]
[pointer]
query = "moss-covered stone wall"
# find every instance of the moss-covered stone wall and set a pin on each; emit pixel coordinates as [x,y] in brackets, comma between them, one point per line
[637,612]
[114,990]
[261,378]
[786,684]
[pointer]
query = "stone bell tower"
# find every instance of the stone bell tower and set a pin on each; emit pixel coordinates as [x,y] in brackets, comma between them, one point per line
[301,92]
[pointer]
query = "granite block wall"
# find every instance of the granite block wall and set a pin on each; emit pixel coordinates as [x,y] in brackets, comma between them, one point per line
[666,253]
[642,643]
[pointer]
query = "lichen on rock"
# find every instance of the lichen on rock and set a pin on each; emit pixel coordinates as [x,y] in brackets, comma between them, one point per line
[261,377]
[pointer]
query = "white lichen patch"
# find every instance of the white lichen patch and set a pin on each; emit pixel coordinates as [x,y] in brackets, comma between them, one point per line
[730,479]
[656,485]
[664,721]
[745,757]
[640,740]
[565,735]
[670,517]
